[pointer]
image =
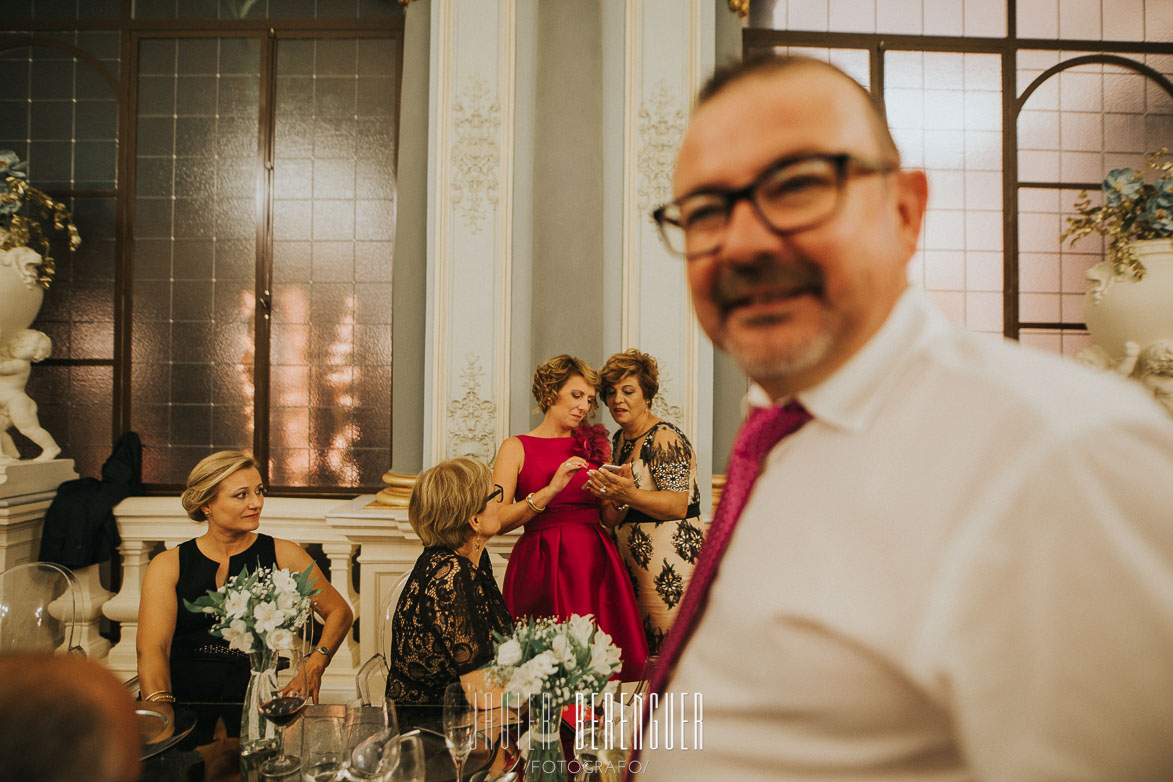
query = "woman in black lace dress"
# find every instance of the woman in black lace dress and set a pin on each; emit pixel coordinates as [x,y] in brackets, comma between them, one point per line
[443,626]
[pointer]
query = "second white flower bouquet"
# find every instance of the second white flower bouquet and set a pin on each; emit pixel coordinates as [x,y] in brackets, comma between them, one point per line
[545,664]
[545,657]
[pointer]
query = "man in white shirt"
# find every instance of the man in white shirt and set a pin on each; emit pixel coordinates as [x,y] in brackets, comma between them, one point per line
[962,567]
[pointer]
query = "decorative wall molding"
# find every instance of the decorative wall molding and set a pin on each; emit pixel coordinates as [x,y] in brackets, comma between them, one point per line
[663,407]
[470,151]
[476,153]
[472,419]
[505,216]
[667,55]
[662,119]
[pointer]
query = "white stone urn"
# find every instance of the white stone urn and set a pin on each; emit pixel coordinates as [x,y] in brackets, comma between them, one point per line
[20,295]
[1119,308]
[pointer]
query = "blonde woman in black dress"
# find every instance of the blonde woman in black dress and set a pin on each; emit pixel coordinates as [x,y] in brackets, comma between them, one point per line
[653,502]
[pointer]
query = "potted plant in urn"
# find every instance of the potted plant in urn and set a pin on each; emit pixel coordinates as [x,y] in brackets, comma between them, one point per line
[28,219]
[1128,306]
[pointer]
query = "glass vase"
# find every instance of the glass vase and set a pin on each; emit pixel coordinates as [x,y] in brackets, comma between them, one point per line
[546,761]
[258,736]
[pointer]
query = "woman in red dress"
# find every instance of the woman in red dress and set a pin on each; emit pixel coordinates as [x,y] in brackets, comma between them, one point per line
[565,562]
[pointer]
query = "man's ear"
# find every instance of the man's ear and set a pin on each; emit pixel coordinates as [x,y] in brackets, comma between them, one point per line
[912,198]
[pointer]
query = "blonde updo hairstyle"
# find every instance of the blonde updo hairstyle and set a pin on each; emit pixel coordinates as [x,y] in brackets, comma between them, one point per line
[631,362]
[206,477]
[550,376]
[445,497]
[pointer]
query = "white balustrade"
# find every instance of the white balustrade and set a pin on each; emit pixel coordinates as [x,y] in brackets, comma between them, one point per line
[385,544]
[26,489]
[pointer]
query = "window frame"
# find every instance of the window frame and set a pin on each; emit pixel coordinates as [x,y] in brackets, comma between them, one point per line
[124,86]
[758,41]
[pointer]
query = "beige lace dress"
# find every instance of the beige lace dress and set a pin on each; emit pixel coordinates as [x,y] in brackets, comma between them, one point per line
[660,555]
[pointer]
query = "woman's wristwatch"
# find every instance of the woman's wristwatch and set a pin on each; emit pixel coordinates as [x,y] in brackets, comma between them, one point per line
[324,650]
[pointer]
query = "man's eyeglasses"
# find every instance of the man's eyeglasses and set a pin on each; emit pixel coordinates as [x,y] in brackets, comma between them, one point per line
[792,195]
[498,494]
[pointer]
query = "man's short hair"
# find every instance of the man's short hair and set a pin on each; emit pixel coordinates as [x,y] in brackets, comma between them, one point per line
[769,65]
[65,719]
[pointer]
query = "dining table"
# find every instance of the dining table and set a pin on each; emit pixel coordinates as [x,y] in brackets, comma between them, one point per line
[166,758]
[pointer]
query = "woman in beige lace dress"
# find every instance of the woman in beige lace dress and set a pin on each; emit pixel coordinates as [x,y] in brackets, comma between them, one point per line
[653,502]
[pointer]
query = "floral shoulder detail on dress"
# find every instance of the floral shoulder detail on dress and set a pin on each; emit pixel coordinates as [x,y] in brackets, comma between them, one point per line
[591,442]
[670,458]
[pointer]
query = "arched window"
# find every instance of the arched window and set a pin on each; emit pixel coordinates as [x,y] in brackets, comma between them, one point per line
[1077,119]
[59,111]
[1005,161]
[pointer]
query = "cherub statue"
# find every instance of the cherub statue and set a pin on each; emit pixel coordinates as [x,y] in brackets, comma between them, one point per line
[1154,371]
[1096,357]
[26,261]
[8,450]
[17,355]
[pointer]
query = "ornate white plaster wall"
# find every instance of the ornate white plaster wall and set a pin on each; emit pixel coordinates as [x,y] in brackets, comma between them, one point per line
[668,51]
[656,53]
[470,227]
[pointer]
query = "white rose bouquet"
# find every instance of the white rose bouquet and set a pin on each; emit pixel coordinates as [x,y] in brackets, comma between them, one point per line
[545,657]
[546,663]
[259,611]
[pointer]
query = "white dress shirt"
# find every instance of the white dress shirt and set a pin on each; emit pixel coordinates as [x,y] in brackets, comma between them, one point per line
[961,569]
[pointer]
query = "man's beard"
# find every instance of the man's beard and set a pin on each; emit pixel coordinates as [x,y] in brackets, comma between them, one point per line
[781,363]
[796,277]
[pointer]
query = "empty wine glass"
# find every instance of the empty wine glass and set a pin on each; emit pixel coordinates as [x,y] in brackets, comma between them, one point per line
[369,735]
[281,706]
[322,748]
[410,764]
[459,725]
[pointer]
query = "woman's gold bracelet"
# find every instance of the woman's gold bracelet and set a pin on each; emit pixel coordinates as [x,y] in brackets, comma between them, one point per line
[160,696]
[529,500]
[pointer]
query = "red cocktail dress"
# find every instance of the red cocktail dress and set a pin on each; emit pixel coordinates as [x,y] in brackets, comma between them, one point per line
[566,563]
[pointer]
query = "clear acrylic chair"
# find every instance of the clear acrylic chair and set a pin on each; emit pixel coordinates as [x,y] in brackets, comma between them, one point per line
[371,680]
[38,609]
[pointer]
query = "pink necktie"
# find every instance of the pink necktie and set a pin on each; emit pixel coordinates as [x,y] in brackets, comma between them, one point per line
[761,431]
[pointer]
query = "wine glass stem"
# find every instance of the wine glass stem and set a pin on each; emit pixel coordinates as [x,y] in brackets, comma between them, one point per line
[459,770]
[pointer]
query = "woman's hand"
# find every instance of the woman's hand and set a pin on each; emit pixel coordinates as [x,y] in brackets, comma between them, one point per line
[328,604]
[565,471]
[308,679]
[617,488]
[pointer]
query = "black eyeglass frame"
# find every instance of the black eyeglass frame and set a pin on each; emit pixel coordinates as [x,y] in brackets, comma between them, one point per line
[498,494]
[846,165]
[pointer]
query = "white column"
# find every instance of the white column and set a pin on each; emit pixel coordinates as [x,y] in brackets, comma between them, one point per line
[470,174]
[667,51]
[339,555]
[26,489]
[388,549]
[123,607]
[92,596]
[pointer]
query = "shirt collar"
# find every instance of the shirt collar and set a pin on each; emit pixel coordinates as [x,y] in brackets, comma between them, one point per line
[850,397]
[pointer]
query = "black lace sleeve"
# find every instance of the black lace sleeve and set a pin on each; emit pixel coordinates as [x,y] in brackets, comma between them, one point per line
[460,619]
